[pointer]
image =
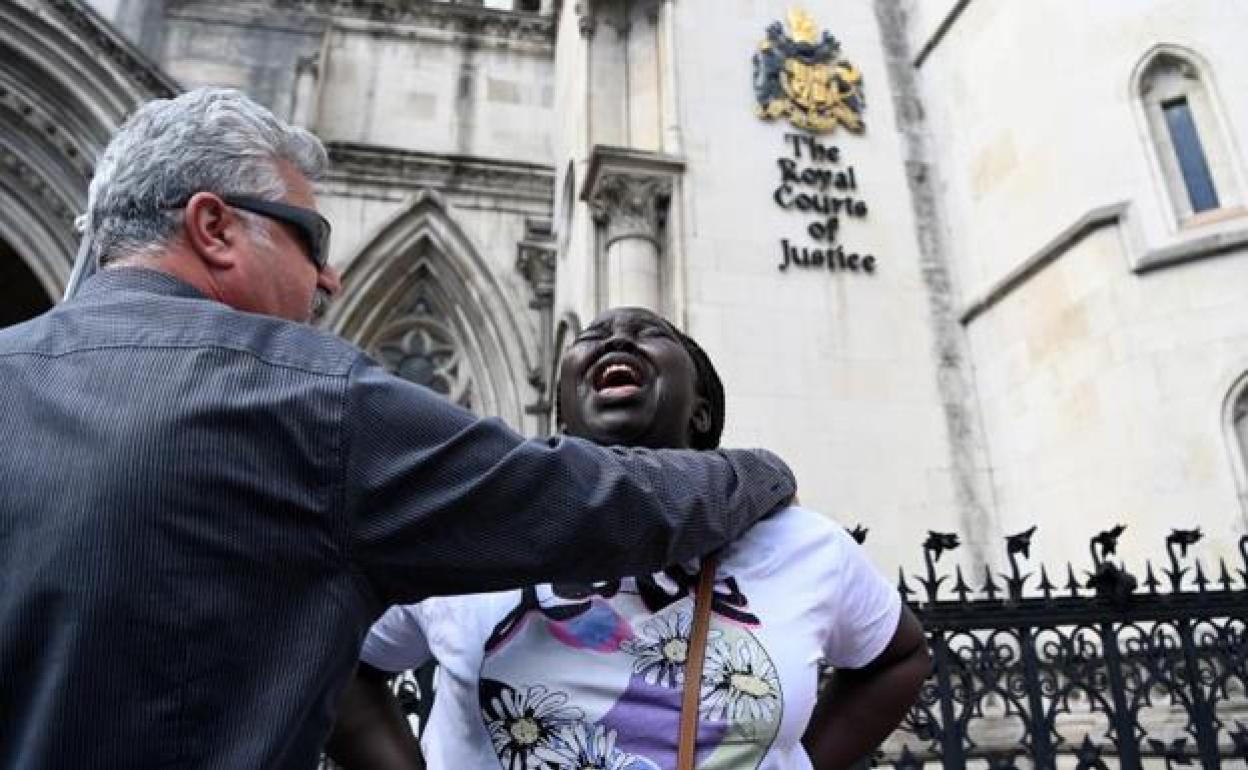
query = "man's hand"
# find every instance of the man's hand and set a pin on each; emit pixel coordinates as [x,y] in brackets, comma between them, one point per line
[862,706]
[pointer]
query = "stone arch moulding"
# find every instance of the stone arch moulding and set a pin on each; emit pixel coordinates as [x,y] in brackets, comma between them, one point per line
[421,254]
[67,81]
[566,330]
[1235,432]
[1220,147]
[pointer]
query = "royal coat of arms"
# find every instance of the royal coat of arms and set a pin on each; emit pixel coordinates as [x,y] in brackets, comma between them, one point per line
[800,76]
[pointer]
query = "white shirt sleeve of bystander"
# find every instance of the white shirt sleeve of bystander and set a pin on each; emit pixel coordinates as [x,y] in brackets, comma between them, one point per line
[396,642]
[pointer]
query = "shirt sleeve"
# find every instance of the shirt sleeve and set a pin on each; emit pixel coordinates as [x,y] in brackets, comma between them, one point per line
[865,607]
[441,502]
[396,642]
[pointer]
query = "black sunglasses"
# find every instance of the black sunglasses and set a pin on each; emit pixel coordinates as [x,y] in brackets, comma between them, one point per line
[313,228]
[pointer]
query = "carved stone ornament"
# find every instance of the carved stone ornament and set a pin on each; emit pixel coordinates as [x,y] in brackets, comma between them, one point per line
[420,348]
[535,259]
[631,205]
[308,65]
[35,187]
[584,18]
[463,18]
[412,169]
[18,109]
[110,45]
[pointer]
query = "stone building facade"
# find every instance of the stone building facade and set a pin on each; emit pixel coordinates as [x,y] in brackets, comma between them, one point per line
[1008,297]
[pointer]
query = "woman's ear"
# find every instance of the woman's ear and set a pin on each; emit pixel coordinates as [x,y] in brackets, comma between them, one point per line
[700,419]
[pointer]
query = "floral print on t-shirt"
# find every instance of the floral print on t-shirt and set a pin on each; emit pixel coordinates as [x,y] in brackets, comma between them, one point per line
[591,678]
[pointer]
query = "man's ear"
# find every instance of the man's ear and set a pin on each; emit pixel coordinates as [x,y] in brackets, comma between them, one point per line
[700,420]
[211,229]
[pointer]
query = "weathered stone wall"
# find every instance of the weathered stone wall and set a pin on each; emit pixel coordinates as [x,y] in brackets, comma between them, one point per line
[1106,332]
[839,371]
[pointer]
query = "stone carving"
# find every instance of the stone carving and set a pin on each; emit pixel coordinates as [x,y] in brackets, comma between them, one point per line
[17,108]
[418,347]
[585,22]
[29,179]
[535,259]
[456,17]
[106,43]
[308,65]
[631,205]
[420,170]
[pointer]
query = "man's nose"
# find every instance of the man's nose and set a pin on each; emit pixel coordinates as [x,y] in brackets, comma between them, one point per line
[329,280]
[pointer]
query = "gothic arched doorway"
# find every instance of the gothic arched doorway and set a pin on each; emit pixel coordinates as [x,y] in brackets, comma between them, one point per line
[67,81]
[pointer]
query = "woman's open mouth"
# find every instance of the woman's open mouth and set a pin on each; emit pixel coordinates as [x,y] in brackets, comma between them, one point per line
[617,376]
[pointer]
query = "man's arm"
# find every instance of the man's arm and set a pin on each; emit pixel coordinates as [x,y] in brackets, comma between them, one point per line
[862,706]
[371,732]
[441,502]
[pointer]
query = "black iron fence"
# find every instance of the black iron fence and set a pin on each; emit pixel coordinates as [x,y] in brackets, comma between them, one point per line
[1100,669]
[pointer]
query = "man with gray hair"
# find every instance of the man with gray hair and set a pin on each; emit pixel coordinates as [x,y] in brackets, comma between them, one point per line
[206,502]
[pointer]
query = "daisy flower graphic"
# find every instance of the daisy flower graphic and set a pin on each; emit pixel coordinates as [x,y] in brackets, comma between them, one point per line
[522,723]
[660,650]
[740,683]
[587,746]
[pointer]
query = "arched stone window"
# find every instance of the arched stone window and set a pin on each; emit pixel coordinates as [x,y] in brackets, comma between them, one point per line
[418,346]
[1187,135]
[1236,427]
[423,302]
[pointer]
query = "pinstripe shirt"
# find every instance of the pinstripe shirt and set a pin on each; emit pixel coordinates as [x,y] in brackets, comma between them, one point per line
[202,511]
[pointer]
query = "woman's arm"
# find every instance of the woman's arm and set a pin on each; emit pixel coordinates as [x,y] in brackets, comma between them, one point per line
[862,706]
[371,732]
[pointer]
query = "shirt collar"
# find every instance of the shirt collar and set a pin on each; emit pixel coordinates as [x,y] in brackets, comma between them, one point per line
[139,279]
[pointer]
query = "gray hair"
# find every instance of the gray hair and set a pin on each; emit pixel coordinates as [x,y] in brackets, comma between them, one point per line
[206,140]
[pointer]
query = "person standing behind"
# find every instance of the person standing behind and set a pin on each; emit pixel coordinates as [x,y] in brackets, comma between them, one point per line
[567,676]
[205,502]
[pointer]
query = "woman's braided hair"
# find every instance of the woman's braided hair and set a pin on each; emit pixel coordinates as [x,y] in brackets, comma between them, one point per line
[710,387]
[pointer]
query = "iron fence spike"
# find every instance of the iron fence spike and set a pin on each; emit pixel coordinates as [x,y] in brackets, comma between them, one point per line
[1224,575]
[960,587]
[902,588]
[1200,581]
[1045,586]
[1150,579]
[990,588]
[1072,583]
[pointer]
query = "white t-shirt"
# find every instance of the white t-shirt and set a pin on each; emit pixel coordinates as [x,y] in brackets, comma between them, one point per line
[556,677]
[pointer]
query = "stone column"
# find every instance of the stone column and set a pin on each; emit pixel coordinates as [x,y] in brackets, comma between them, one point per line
[303,111]
[631,208]
[670,103]
[536,261]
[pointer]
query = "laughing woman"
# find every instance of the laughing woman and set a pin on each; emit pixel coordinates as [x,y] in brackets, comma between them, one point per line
[577,676]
